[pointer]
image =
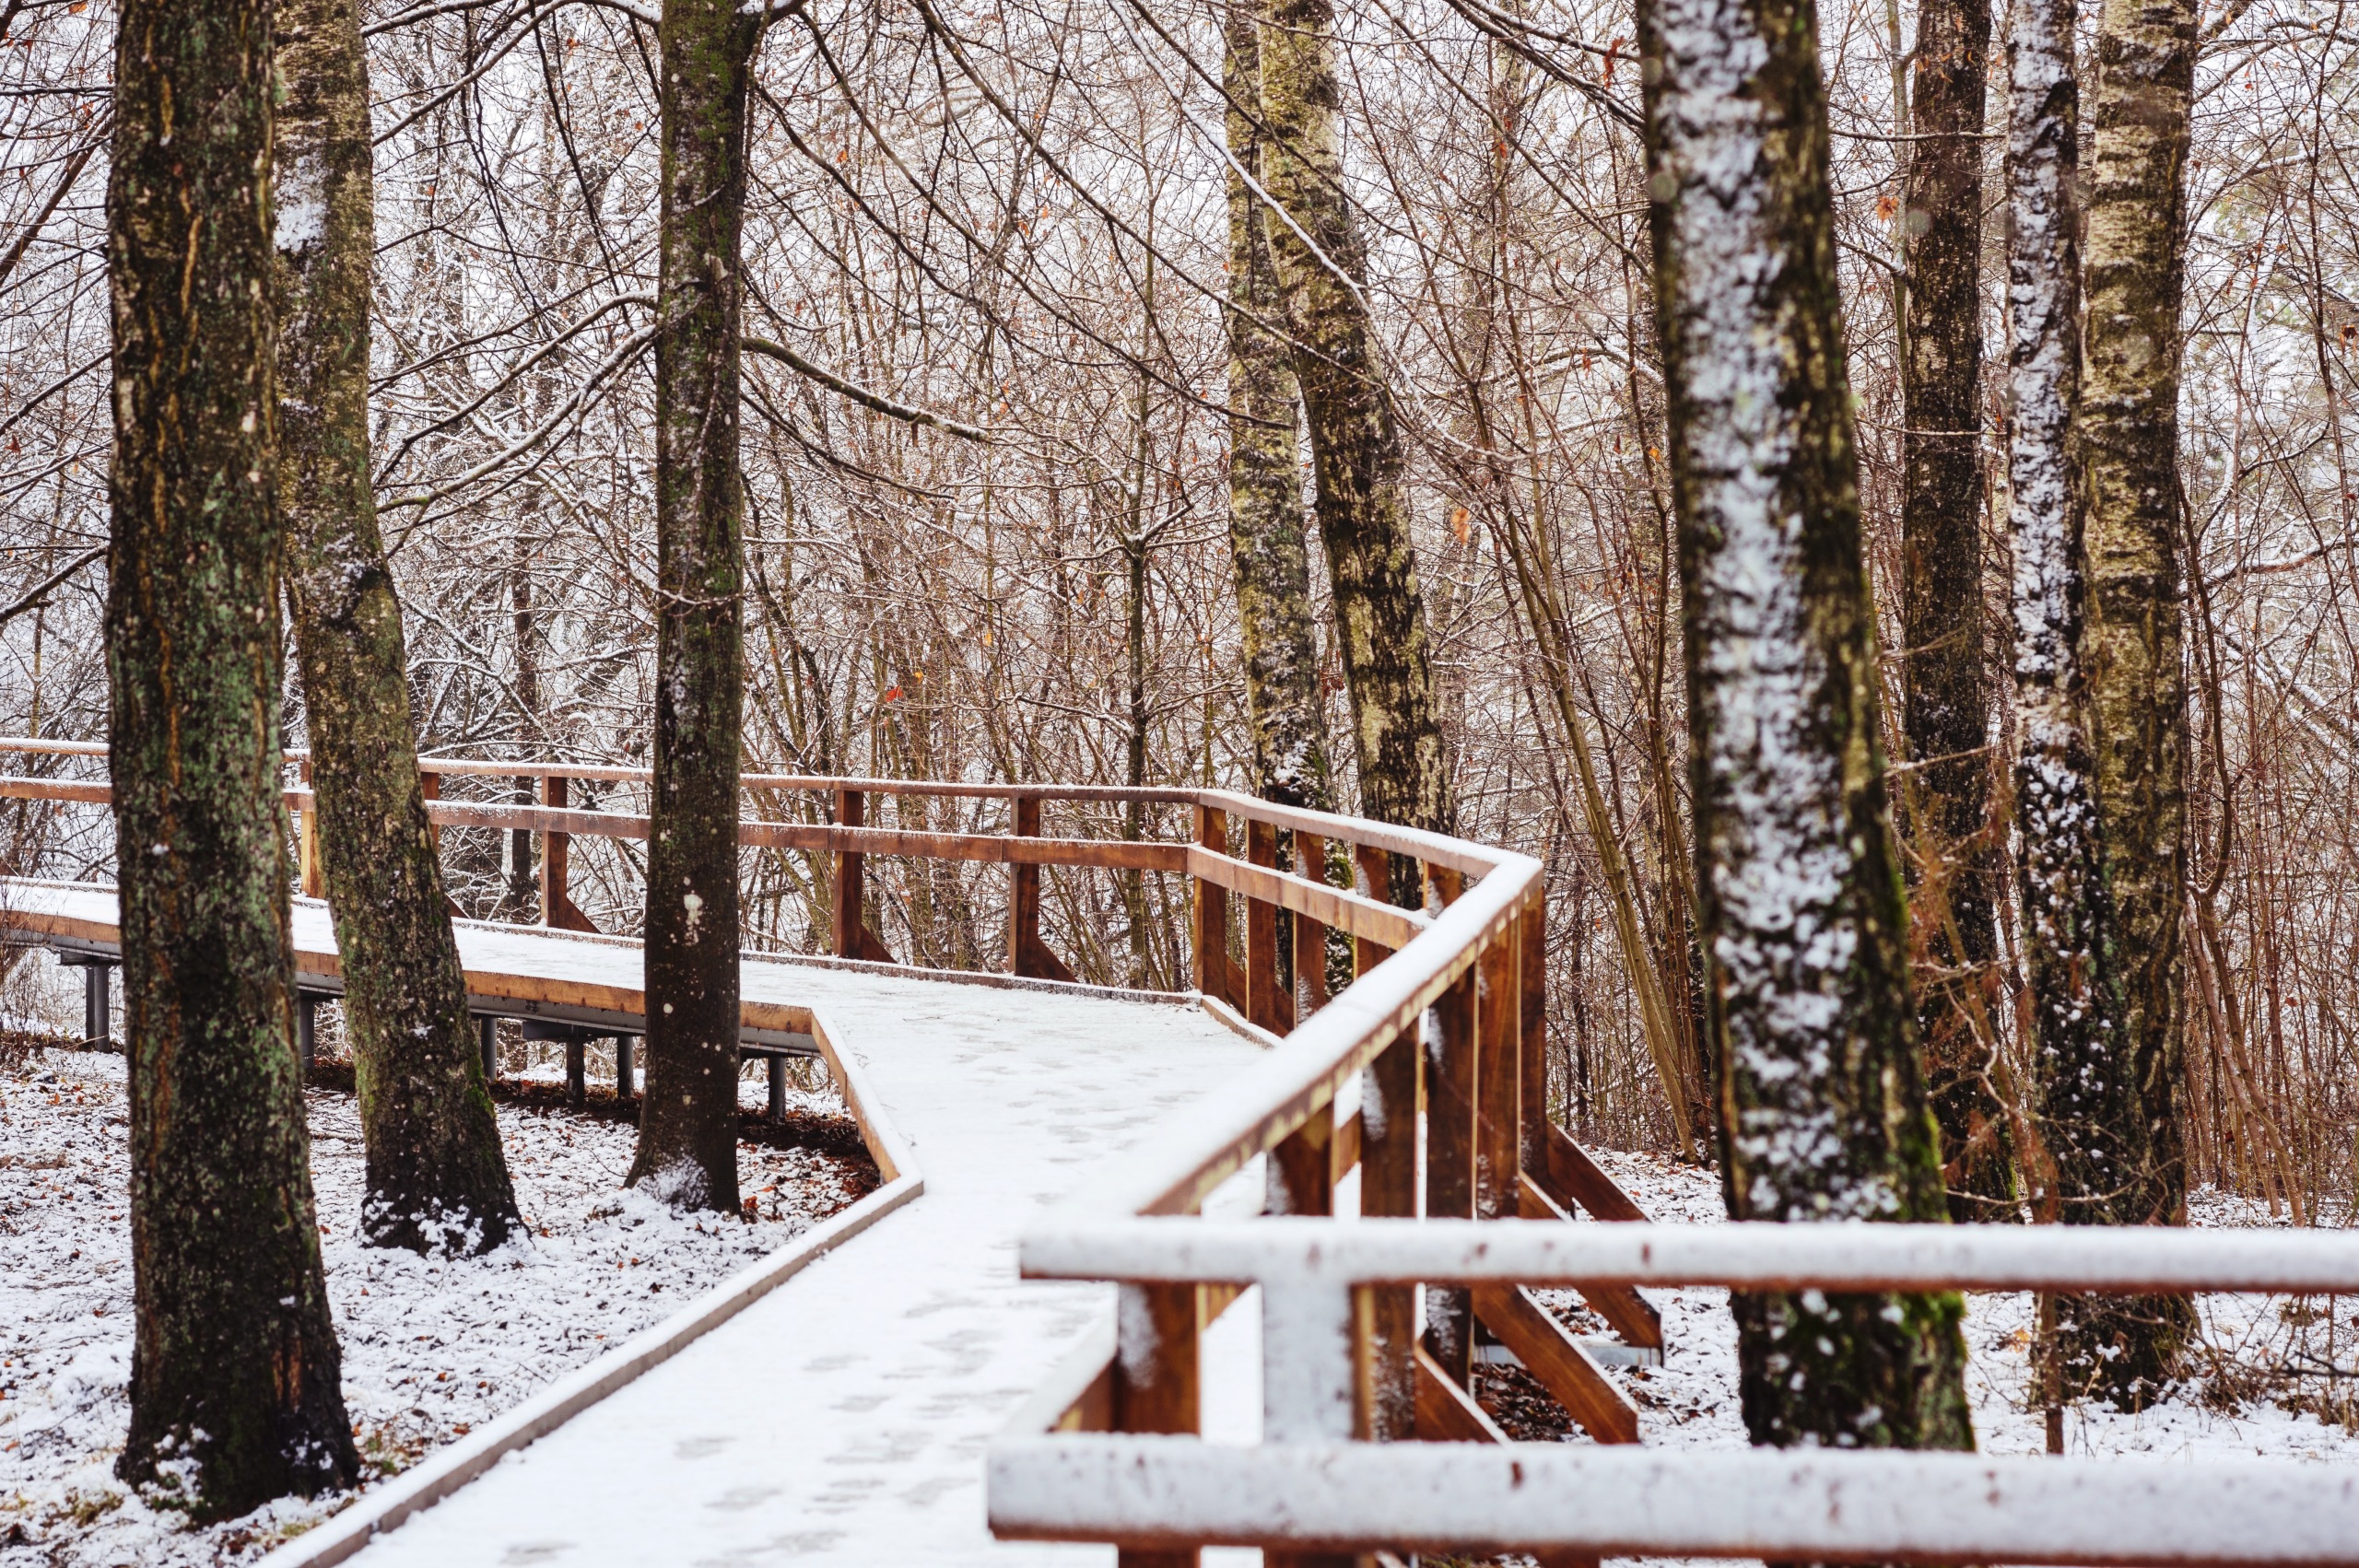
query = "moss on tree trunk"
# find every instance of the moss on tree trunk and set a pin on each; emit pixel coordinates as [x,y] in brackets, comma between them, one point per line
[2136,219]
[1944,687]
[1363,502]
[234,1389]
[687,1132]
[1804,922]
[436,1174]
[1270,555]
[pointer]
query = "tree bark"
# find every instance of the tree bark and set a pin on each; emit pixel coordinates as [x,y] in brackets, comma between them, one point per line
[2136,218]
[687,1130]
[234,1389]
[1270,555]
[1363,503]
[2091,1125]
[436,1177]
[1804,923]
[1944,690]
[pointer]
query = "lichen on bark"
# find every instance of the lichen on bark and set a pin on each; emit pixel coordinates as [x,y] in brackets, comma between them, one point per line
[1362,501]
[436,1176]
[234,1386]
[1804,921]
[687,1130]
[1270,554]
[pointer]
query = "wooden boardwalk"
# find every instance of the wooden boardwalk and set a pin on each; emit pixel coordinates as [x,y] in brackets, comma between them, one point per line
[843,1417]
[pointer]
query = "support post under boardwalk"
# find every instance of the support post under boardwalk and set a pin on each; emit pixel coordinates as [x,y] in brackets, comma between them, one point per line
[1388,1400]
[1450,1098]
[1268,1003]
[1156,1380]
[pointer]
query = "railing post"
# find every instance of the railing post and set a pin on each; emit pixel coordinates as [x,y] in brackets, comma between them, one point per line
[1532,1043]
[553,855]
[1388,1189]
[1499,1075]
[1452,1096]
[1214,976]
[852,811]
[1156,1381]
[1267,1003]
[314,879]
[429,787]
[1309,936]
[1026,954]
[1302,1173]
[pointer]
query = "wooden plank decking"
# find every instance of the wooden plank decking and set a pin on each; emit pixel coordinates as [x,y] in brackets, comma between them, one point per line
[841,1419]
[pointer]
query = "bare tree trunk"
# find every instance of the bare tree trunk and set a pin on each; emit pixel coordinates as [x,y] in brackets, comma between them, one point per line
[1804,924]
[1944,689]
[436,1176]
[688,1131]
[1270,555]
[2136,219]
[234,1390]
[1363,502]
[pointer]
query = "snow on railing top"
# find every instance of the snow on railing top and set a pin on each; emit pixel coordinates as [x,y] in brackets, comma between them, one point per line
[1853,1256]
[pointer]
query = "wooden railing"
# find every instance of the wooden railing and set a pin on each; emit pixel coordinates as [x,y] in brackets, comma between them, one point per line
[1436,1054]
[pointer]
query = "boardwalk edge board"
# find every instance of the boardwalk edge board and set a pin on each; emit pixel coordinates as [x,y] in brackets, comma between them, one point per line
[433,1480]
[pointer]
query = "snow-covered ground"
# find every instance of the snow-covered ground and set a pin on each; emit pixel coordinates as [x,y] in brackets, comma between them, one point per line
[431,1347]
[2260,1366]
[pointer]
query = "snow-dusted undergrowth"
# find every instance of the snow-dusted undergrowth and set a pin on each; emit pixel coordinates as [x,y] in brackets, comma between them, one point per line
[2258,1355]
[431,1348]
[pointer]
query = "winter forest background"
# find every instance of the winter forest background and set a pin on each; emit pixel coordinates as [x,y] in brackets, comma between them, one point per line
[1027,238]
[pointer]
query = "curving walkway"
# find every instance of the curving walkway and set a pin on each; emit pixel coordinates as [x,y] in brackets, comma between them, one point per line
[841,1418]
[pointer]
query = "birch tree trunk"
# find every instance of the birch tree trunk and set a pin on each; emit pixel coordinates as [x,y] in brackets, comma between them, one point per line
[1363,503]
[1271,560]
[1944,689]
[687,1130]
[435,1173]
[1804,923]
[2091,1126]
[234,1390]
[2136,219]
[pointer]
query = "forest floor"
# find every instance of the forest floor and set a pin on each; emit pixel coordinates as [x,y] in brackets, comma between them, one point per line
[433,1347]
[2269,1376]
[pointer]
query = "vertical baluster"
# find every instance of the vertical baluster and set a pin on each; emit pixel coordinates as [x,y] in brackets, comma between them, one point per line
[1388,1189]
[1309,936]
[1155,1383]
[1532,1043]
[1302,1174]
[430,785]
[1499,1075]
[1452,1089]
[1214,974]
[852,811]
[1267,1001]
[1310,1390]
[555,906]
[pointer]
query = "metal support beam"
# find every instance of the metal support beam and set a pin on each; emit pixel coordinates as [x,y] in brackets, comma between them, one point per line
[307,1030]
[489,1027]
[626,1080]
[778,1088]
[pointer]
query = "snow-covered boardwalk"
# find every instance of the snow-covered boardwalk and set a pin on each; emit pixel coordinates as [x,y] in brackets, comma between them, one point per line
[843,1417]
